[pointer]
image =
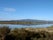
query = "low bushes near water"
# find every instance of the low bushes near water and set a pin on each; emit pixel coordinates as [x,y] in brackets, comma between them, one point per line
[21,34]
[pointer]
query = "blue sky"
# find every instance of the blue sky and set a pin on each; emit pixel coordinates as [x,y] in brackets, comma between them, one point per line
[26,9]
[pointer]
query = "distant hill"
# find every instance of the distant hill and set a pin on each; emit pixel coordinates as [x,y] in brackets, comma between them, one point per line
[26,21]
[29,20]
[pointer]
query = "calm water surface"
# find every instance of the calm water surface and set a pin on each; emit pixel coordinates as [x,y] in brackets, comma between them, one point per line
[26,26]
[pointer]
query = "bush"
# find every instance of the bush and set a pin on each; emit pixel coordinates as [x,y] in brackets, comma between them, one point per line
[21,34]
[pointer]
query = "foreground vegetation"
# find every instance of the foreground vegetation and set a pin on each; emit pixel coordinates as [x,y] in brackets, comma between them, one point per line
[25,34]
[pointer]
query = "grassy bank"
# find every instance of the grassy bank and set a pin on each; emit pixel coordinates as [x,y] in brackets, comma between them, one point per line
[26,33]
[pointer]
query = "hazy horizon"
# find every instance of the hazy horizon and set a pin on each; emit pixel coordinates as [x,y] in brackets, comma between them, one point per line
[26,9]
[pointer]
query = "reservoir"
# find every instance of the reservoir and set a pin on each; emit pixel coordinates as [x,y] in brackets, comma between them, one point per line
[26,26]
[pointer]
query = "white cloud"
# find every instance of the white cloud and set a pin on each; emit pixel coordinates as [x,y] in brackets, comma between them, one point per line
[9,9]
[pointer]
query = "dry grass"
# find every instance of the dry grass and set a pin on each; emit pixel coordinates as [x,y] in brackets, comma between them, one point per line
[27,33]
[40,29]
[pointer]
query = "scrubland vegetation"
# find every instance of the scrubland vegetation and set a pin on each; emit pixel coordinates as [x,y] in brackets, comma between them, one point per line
[25,34]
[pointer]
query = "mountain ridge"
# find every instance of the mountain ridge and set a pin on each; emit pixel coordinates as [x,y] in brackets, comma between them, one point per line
[27,21]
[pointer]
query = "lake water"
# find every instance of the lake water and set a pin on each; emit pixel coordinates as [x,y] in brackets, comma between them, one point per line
[26,26]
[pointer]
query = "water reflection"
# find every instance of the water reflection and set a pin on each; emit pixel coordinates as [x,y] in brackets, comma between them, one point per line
[24,26]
